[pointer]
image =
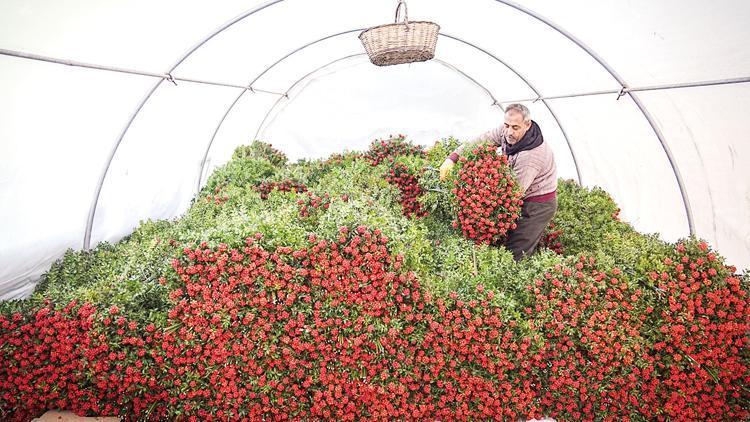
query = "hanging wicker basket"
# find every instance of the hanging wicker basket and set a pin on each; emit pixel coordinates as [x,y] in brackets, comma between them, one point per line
[400,42]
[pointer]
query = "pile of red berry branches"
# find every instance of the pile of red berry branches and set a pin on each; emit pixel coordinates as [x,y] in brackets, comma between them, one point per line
[338,330]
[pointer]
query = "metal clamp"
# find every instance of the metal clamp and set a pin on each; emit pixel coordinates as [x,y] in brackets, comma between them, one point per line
[170,78]
[621,93]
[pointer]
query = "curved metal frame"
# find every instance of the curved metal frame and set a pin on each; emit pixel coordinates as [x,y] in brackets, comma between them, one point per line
[442,62]
[497,59]
[579,43]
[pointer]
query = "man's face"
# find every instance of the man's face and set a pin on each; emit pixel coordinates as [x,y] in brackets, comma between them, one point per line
[515,127]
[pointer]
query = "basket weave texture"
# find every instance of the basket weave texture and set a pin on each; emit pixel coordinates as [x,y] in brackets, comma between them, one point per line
[401,42]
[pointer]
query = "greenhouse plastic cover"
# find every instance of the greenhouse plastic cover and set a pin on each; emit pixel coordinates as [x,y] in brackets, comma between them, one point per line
[67,147]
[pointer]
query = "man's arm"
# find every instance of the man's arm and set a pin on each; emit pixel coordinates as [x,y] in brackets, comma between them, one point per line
[494,135]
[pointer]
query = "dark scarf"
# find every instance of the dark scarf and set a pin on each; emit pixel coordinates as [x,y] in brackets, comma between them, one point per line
[531,139]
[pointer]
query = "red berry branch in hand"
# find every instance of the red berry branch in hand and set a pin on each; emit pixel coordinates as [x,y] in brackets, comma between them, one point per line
[488,199]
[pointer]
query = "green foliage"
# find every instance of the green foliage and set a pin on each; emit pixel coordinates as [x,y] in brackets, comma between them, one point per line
[584,216]
[126,275]
[589,224]
[240,172]
[260,150]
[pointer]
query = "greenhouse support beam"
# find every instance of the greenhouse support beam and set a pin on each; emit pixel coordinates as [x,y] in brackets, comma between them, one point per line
[442,62]
[278,100]
[188,53]
[623,90]
[163,76]
[636,100]
[231,106]
[474,81]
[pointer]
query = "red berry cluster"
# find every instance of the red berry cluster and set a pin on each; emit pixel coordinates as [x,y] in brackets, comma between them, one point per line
[42,363]
[311,203]
[479,364]
[388,149]
[550,239]
[335,331]
[121,357]
[265,188]
[217,198]
[701,349]
[408,185]
[488,199]
[591,359]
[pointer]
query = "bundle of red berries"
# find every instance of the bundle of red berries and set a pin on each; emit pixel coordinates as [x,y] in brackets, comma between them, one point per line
[338,159]
[701,346]
[487,196]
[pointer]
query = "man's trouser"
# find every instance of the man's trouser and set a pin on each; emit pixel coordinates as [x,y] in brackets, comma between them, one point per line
[535,217]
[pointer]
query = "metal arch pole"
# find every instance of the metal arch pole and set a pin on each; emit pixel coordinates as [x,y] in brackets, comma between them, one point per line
[442,62]
[278,100]
[105,170]
[533,88]
[455,69]
[636,100]
[229,109]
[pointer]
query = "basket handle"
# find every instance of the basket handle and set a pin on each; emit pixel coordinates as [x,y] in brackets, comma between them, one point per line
[406,12]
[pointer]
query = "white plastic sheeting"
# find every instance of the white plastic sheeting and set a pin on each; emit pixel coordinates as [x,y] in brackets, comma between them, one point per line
[59,124]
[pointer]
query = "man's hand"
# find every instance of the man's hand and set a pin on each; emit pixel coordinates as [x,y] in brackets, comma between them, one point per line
[446,168]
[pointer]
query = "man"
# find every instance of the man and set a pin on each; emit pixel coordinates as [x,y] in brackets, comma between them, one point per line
[533,163]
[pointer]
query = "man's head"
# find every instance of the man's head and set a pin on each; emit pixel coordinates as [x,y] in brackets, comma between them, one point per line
[517,122]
